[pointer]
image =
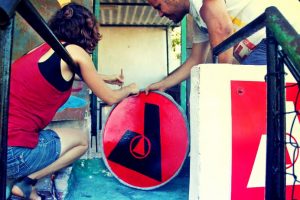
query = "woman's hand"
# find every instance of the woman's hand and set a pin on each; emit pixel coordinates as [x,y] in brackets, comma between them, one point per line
[114,79]
[133,89]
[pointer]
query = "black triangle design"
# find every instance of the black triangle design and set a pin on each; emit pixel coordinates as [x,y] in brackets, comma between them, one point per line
[151,164]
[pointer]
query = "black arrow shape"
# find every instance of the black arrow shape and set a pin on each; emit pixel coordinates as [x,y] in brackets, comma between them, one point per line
[151,164]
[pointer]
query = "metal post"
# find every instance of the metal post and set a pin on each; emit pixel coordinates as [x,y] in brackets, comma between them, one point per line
[7,10]
[275,166]
[281,129]
[6,41]
[215,59]
[93,97]
[167,48]
[183,86]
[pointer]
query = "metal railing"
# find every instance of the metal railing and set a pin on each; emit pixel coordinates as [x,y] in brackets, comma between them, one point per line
[278,33]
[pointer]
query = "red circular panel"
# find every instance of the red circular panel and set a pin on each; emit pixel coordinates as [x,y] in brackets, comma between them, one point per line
[145,140]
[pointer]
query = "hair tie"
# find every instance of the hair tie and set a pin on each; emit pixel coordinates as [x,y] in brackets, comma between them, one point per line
[68,13]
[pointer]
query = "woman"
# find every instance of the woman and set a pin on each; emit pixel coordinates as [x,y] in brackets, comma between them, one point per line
[40,83]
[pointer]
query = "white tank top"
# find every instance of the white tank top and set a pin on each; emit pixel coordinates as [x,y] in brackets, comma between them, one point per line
[241,12]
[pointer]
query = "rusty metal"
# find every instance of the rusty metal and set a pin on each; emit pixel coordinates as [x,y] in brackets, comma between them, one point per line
[285,35]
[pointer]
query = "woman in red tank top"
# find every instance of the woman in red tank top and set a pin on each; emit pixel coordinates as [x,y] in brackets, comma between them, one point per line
[41,83]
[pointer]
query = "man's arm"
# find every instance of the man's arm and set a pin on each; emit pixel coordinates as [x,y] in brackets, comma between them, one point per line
[198,55]
[219,25]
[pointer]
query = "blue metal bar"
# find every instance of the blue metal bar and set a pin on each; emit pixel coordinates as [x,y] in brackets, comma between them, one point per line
[93,97]
[6,41]
[7,10]
[183,90]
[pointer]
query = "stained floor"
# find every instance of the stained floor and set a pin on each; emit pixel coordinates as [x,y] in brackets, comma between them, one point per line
[91,180]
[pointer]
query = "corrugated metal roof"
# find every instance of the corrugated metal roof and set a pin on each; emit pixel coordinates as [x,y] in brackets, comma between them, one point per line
[130,13]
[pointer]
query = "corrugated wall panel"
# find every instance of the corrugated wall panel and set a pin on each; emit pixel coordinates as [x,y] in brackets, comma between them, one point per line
[131,13]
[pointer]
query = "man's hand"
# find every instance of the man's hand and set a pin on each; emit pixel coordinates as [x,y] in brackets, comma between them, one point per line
[133,88]
[155,86]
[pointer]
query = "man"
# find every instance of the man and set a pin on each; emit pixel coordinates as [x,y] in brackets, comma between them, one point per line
[214,21]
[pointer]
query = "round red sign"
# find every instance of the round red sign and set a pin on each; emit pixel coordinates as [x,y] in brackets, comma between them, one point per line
[145,140]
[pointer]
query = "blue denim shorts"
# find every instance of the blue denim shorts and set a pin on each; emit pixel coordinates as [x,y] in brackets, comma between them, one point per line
[258,56]
[24,161]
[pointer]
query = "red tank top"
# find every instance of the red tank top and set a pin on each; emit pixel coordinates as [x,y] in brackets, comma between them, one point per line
[33,101]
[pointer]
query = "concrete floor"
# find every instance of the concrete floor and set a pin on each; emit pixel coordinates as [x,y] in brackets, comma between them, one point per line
[91,180]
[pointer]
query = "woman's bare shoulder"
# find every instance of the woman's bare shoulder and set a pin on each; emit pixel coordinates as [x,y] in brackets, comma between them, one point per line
[77,52]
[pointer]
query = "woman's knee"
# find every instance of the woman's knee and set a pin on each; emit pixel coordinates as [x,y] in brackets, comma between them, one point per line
[81,138]
[84,139]
[84,143]
[71,138]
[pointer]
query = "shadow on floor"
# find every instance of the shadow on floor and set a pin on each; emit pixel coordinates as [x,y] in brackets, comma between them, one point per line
[91,180]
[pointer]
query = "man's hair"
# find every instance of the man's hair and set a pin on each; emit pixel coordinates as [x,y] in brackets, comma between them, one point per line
[75,24]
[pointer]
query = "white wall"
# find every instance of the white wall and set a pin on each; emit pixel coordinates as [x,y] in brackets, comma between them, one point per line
[290,10]
[174,62]
[141,52]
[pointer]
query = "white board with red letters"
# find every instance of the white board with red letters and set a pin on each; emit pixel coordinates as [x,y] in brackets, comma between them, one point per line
[228,112]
